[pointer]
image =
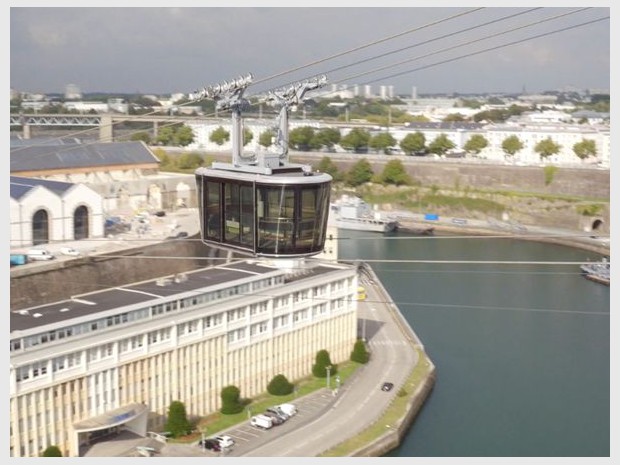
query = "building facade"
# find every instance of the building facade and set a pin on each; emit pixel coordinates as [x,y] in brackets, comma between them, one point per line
[114,360]
[43,211]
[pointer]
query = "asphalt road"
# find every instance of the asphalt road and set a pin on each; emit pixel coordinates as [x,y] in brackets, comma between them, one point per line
[327,417]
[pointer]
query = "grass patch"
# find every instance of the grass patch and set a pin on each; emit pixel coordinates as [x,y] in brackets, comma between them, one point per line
[216,422]
[392,416]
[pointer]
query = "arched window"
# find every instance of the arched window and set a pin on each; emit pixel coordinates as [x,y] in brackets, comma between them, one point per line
[40,228]
[80,223]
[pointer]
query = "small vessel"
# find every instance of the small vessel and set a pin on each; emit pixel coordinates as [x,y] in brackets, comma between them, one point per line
[353,213]
[597,271]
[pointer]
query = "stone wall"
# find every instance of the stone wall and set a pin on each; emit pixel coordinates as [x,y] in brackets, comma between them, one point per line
[593,183]
[59,280]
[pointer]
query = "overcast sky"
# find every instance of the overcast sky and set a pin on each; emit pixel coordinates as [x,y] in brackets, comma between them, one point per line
[166,50]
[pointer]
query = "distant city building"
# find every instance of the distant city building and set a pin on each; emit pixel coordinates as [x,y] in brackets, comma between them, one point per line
[414,93]
[125,174]
[85,107]
[72,92]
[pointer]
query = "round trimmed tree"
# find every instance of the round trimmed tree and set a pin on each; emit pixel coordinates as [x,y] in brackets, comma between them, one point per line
[280,386]
[52,451]
[322,361]
[359,353]
[177,423]
[231,400]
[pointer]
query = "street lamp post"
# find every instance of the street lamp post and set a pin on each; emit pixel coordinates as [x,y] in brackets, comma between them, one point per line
[329,369]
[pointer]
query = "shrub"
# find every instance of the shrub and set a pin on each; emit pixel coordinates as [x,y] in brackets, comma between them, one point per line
[177,423]
[322,361]
[279,386]
[359,353]
[231,401]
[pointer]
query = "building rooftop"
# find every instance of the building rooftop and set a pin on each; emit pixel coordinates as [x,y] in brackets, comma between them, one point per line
[54,157]
[149,292]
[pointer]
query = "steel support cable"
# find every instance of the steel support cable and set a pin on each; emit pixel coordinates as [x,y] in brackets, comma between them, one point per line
[446,49]
[370,44]
[509,44]
[418,44]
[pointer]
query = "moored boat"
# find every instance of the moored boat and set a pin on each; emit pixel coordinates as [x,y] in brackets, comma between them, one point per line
[597,271]
[355,214]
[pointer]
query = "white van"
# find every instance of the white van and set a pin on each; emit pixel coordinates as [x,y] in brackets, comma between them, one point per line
[261,421]
[39,254]
[289,409]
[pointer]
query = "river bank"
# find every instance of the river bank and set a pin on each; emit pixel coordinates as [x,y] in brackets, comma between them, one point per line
[576,239]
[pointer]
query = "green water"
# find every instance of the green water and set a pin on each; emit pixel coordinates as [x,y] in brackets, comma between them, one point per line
[522,351]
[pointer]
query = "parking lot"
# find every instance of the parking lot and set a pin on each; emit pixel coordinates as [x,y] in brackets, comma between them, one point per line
[247,437]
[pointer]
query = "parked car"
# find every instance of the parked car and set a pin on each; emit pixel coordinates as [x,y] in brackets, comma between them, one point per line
[40,254]
[225,441]
[289,409]
[262,421]
[274,417]
[69,251]
[278,412]
[210,444]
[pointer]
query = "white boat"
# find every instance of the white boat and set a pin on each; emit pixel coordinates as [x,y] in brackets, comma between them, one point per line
[353,213]
[597,271]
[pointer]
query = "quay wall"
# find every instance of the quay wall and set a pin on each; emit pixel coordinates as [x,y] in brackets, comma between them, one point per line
[393,438]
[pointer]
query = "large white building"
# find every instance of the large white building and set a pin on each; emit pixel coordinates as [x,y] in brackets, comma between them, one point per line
[114,360]
[43,211]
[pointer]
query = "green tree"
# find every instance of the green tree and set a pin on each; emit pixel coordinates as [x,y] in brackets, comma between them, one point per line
[584,149]
[454,117]
[476,143]
[511,145]
[219,136]
[266,138]
[546,147]
[327,137]
[231,400]
[301,138]
[413,143]
[177,423]
[359,353]
[322,361]
[326,165]
[165,136]
[183,136]
[280,386]
[394,173]
[382,142]
[360,173]
[441,144]
[52,451]
[143,136]
[190,161]
[549,172]
[357,140]
[166,162]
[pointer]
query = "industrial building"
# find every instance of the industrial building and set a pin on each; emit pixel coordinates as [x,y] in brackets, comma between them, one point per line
[113,360]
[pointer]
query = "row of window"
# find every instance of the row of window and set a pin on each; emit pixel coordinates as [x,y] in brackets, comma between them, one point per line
[104,351]
[140,314]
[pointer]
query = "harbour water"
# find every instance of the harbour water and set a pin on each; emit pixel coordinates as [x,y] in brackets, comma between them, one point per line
[522,350]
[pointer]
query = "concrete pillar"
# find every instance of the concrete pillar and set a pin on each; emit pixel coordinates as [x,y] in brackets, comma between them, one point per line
[26,131]
[155,129]
[106,133]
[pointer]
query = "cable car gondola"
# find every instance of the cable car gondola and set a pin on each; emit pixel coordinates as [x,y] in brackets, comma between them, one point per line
[262,205]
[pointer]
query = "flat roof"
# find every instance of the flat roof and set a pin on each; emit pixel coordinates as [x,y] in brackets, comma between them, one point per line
[150,291]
